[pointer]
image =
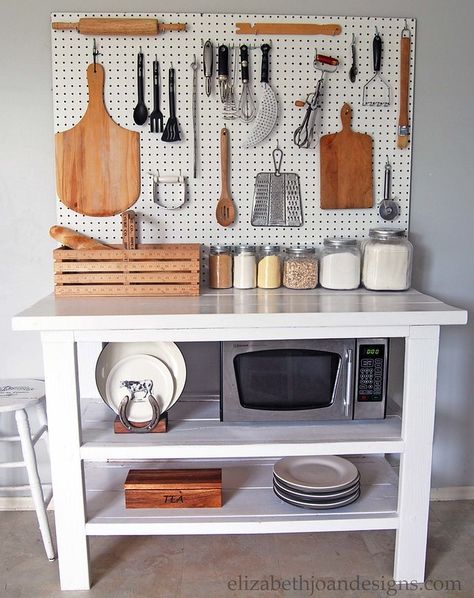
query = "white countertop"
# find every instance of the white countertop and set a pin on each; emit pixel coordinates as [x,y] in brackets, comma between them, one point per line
[240,309]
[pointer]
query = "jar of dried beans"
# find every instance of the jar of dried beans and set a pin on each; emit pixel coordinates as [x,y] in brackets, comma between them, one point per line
[300,268]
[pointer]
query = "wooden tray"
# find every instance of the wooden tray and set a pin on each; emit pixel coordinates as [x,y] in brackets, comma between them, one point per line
[148,271]
[173,488]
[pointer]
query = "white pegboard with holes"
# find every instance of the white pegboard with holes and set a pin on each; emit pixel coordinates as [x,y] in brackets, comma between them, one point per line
[291,75]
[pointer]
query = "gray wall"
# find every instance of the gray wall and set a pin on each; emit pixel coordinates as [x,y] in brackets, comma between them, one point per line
[442,206]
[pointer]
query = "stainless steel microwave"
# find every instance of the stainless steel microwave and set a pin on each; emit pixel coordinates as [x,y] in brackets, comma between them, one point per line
[304,380]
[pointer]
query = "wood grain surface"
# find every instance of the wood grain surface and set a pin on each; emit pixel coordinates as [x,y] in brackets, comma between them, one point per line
[346,167]
[97,161]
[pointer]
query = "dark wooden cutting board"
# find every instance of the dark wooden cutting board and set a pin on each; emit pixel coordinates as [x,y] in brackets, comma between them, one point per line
[346,167]
[97,161]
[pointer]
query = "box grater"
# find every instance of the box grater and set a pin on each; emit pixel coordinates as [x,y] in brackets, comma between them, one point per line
[277,197]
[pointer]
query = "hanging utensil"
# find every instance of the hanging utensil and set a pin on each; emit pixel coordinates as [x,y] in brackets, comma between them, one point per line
[303,136]
[353,70]
[388,208]
[288,29]
[223,71]
[171,132]
[230,112]
[267,112]
[277,196]
[106,26]
[246,104]
[156,117]
[225,210]
[403,122]
[140,114]
[208,64]
[195,66]
[377,91]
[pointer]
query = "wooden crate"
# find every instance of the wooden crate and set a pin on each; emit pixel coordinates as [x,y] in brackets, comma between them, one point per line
[148,271]
[173,488]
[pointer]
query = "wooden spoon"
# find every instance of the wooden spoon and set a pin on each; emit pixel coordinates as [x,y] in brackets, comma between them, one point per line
[225,210]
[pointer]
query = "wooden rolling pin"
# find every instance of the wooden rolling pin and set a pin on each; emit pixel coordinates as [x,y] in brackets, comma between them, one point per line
[287,29]
[103,26]
[74,240]
[403,120]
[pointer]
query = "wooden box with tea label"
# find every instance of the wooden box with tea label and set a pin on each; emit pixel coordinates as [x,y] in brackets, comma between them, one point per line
[173,488]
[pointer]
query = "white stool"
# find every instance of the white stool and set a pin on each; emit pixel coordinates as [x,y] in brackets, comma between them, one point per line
[18,395]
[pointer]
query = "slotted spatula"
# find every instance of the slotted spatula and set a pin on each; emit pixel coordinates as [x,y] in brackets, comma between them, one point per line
[225,210]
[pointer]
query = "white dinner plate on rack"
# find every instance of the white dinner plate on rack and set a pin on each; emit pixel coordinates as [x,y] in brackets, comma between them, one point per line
[320,496]
[139,376]
[316,474]
[166,352]
[319,506]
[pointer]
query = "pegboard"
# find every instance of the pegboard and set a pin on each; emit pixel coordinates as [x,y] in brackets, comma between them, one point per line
[292,77]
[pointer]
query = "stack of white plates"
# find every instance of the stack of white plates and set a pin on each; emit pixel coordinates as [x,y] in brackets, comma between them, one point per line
[316,482]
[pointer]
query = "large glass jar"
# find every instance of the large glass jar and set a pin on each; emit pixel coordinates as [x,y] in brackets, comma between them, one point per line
[300,268]
[220,267]
[245,267]
[387,260]
[339,264]
[269,267]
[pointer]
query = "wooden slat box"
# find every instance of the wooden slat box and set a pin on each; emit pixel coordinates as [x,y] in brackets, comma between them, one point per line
[173,488]
[148,271]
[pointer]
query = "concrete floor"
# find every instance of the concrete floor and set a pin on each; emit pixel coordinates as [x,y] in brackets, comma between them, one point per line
[195,566]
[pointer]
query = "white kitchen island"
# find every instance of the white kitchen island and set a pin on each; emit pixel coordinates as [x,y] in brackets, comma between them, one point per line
[89,462]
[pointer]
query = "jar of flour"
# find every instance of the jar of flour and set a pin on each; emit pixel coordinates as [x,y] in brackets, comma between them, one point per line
[339,265]
[387,260]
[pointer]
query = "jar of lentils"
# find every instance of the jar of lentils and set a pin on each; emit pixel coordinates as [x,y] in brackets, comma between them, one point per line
[300,268]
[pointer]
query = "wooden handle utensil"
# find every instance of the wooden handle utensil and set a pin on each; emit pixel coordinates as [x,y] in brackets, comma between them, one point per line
[104,26]
[225,210]
[403,122]
[287,29]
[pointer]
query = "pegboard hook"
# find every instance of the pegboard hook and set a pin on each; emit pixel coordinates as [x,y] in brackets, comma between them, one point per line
[95,53]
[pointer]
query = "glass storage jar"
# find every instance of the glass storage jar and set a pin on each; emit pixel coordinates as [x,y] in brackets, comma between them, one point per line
[339,264]
[269,267]
[387,260]
[220,267]
[245,267]
[300,268]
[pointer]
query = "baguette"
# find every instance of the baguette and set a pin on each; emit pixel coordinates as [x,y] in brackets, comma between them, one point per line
[74,240]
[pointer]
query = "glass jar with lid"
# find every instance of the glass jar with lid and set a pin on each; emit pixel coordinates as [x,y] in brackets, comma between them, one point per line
[245,267]
[220,267]
[269,267]
[300,268]
[387,260]
[339,264]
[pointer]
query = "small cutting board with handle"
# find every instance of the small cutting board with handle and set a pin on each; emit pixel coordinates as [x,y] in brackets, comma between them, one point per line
[97,161]
[346,167]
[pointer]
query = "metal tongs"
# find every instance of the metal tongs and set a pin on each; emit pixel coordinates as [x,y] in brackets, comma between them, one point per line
[303,136]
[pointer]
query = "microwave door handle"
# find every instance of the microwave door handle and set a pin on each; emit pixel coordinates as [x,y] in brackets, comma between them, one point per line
[348,396]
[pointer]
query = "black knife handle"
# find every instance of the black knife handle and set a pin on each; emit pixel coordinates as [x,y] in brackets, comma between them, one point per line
[171,84]
[377,51]
[244,63]
[223,66]
[265,60]
[156,86]
[140,76]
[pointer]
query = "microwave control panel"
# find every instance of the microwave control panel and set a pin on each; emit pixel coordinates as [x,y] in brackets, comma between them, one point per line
[371,377]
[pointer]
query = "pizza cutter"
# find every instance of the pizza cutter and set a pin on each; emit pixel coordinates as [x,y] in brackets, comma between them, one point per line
[388,208]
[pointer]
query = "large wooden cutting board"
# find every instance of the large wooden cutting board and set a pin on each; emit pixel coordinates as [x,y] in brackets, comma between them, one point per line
[346,167]
[97,161]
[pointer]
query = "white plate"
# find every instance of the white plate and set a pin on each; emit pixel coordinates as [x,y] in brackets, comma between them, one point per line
[166,352]
[319,506]
[316,474]
[322,496]
[139,369]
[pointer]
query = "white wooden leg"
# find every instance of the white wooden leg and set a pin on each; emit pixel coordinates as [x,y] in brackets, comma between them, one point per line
[34,480]
[43,421]
[421,360]
[62,396]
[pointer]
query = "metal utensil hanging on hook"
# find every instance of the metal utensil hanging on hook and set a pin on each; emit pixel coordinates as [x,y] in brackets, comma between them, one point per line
[246,104]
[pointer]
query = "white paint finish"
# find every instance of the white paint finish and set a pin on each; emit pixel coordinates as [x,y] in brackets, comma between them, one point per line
[60,366]
[421,363]
[235,309]
[249,504]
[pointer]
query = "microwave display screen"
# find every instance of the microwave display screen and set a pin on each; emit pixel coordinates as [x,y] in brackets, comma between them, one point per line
[286,379]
